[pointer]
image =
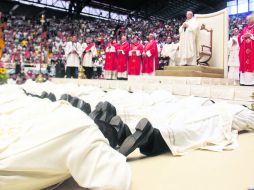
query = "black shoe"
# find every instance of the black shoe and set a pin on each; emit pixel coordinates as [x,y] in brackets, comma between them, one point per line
[108,112]
[52,97]
[108,131]
[66,97]
[74,101]
[83,106]
[122,129]
[97,112]
[143,131]
[44,94]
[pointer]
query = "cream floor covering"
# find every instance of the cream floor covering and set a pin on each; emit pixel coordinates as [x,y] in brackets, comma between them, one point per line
[198,170]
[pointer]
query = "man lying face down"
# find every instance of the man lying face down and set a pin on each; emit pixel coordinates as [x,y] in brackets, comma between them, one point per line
[44,143]
[189,124]
[50,142]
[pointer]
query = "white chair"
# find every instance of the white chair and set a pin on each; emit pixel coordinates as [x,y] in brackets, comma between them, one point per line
[205,45]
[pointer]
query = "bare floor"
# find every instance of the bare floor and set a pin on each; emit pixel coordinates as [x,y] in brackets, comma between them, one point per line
[198,170]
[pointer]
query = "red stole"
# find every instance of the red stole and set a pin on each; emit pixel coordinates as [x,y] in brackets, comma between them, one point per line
[246,54]
[134,60]
[123,58]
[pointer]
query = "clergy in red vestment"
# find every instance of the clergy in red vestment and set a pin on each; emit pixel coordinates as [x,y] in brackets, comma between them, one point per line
[246,54]
[135,53]
[123,56]
[150,57]
[110,65]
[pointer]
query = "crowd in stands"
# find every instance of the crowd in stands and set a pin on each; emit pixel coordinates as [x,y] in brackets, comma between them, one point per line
[28,41]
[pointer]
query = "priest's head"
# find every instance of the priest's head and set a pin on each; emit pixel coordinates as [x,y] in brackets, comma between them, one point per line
[250,20]
[235,31]
[189,15]
[124,39]
[169,40]
[74,38]
[151,36]
[134,39]
[88,40]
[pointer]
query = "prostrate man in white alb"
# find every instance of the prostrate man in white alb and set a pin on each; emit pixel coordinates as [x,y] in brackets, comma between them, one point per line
[42,147]
[72,52]
[188,40]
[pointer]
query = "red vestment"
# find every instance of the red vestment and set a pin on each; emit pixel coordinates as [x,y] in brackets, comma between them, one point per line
[123,54]
[111,57]
[87,49]
[246,54]
[150,59]
[136,51]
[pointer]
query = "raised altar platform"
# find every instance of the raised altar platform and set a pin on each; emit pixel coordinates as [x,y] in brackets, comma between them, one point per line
[192,71]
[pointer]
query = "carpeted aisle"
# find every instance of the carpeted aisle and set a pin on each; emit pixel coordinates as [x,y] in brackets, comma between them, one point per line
[198,170]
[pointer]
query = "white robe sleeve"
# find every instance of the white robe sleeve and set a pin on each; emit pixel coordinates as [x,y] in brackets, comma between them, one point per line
[94,51]
[181,29]
[252,37]
[90,166]
[68,49]
[138,53]
[79,49]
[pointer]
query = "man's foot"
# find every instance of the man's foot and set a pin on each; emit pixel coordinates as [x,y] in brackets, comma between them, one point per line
[66,97]
[143,131]
[74,101]
[108,112]
[97,112]
[122,129]
[44,94]
[108,131]
[83,106]
[51,97]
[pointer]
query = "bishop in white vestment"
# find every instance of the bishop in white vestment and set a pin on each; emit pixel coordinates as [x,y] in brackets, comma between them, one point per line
[188,40]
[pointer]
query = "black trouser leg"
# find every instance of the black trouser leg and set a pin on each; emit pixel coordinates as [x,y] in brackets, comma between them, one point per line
[155,145]
[17,69]
[88,72]
[75,72]
[99,72]
[68,72]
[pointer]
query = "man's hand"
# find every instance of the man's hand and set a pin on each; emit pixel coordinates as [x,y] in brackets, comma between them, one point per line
[234,42]
[247,35]
[185,25]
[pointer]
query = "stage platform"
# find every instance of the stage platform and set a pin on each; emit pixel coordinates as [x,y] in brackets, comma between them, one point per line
[191,71]
[215,89]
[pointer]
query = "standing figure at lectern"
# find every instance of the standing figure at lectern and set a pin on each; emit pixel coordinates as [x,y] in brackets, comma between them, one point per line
[246,54]
[188,40]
